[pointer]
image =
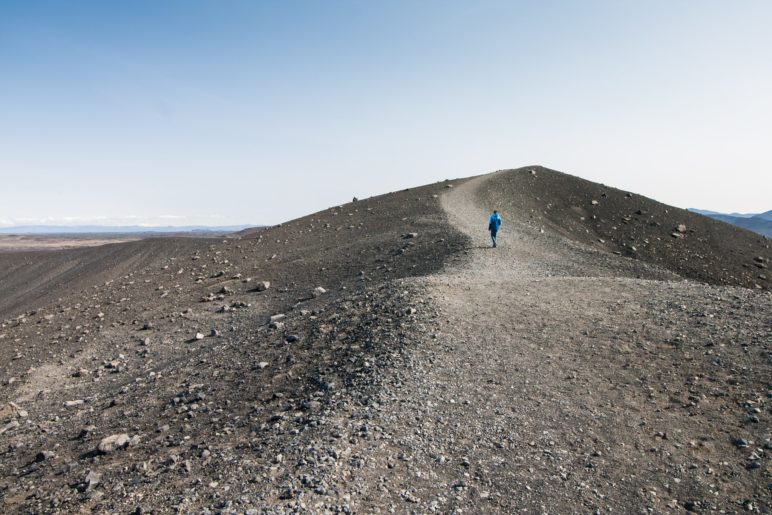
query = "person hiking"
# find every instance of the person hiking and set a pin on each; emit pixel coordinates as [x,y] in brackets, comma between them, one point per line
[494,224]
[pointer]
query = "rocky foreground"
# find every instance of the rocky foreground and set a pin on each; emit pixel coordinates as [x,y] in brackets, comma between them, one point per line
[378,357]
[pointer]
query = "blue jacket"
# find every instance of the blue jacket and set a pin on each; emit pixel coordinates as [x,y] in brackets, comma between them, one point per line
[494,222]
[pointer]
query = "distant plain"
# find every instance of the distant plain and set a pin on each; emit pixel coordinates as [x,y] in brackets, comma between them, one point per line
[14,242]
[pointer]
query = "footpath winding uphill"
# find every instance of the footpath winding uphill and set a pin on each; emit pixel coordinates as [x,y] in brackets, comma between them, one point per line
[565,379]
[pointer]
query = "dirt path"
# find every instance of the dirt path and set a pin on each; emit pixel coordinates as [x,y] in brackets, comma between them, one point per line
[558,382]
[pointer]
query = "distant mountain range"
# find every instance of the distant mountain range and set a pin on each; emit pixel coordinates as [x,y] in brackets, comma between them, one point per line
[756,222]
[118,229]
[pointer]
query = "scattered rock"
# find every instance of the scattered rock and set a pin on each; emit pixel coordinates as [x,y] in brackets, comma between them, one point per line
[44,456]
[113,442]
[86,432]
[91,481]
[13,424]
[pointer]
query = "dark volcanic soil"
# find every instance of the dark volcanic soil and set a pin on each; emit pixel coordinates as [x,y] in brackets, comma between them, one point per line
[409,369]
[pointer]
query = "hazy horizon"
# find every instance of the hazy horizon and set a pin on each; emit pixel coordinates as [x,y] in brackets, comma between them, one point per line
[130,224]
[204,113]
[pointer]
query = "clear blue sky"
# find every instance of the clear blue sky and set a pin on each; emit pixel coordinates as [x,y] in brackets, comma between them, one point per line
[224,112]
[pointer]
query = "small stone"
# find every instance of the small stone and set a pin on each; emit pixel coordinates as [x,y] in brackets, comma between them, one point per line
[13,424]
[410,235]
[215,333]
[72,404]
[319,291]
[262,365]
[92,480]
[113,442]
[292,338]
[595,202]
[692,506]
[262,285]
[199,336]
[740,442]
[86,431]
[44,455]
[312,406]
